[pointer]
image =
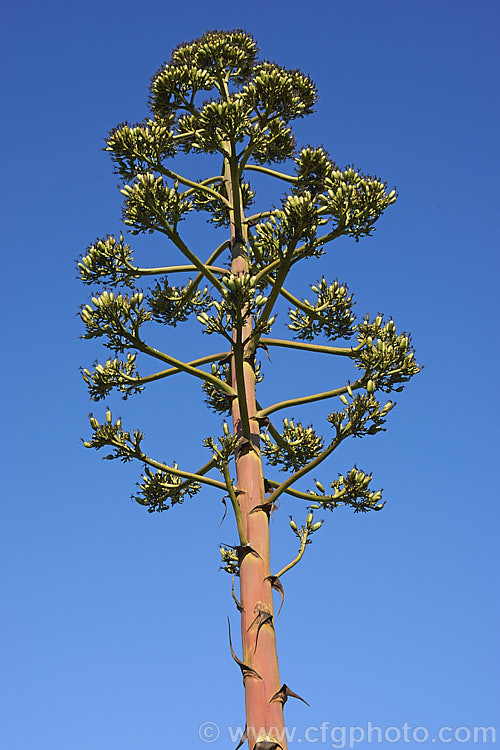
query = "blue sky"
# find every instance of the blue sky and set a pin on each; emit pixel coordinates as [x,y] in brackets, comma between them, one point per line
[391,617]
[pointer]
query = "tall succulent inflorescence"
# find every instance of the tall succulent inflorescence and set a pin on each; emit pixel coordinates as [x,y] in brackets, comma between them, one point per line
[215,97]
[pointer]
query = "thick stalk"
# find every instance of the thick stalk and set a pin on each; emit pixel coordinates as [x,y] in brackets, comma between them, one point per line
[264,717]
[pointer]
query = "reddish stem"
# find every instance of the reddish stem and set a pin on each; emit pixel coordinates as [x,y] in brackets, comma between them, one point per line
[264,718]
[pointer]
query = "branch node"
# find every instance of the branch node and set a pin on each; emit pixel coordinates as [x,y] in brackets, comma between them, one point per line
[284,693]
[236,601]
[242,550]
[277,586]
[267,745]
[246,671]
[263,617]
[268,508]
[244,738]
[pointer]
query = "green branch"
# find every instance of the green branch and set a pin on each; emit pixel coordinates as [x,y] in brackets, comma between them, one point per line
[231,175]
[234,502]
[246,153]
[303,543]
[309,399]
[283,270]
[189,183]
[281,442]
[179,365]
[339,351]
[297,493]
[297,252]
[217,178]
[200,473]
[195,282]
[306,495]
[302,305]
[178,472]
[255,218]
[238,358]
[278,283]
[277,437]
[175,370]
[244,156]
[217,252]
[170,269]
[181,245]
[304,470]
[273,173]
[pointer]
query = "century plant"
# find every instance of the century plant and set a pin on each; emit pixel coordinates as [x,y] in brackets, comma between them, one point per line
[246,122]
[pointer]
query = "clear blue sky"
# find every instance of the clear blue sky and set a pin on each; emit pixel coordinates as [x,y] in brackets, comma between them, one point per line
[392,616]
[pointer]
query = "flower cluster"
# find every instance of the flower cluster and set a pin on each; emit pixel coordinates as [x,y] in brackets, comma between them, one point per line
[387,357]
[161,489]
[355,201]
[173,304]
[199,66]
[107,259]
[116,317]
[115,373]
[298,446]
[230,562]
[240,299]
[331,313]
[136,148]
[150,205]
[297,221]
[364,415]
[351,490]
[125,445]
